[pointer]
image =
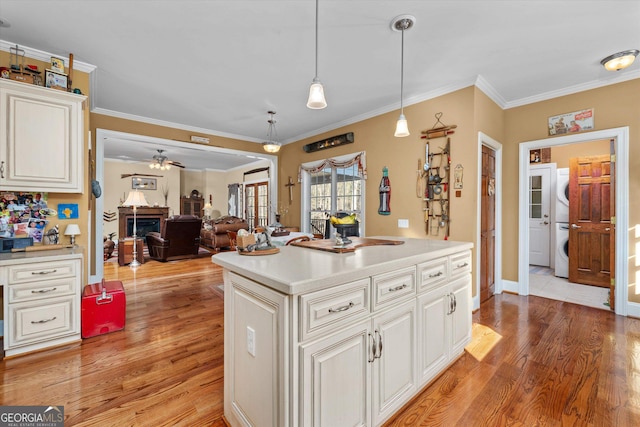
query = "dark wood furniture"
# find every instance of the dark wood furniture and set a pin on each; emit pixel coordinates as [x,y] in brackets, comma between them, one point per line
[191,206]
[125,251]
[125,215]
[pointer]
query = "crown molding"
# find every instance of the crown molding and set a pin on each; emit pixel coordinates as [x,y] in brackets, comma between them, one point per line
[46,56]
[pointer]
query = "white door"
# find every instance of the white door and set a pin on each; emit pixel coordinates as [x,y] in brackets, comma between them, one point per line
[394,379]
[539,214]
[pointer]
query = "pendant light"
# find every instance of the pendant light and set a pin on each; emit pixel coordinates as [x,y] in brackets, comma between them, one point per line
[620,60]
[402,23]
[271,145]
[316,99]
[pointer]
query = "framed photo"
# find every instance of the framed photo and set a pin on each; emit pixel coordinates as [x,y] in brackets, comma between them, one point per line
[138,183]
[57,65]
[55,80]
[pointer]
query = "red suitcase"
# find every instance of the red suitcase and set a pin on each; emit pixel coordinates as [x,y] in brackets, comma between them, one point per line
[103,308]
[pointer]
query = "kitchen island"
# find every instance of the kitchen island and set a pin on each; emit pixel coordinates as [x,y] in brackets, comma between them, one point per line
[315,338]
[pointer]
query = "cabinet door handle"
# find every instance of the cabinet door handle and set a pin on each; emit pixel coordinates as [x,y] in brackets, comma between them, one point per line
[398,288]
[455,302]
[379,355]
[2,169]
[450,296]
[43,272]
[43,321]
[343,308]
[372,349]
[43,291]
[438,274]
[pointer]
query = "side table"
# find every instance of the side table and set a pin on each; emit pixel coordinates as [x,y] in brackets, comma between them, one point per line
[125,250]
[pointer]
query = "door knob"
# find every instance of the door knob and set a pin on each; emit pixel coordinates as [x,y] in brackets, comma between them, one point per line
[575,227]
[546,223]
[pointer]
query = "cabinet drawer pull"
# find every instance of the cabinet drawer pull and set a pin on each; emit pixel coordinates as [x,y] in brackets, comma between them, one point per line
[438,274]
[463,265]
[35,273]
[343,308]
[399,288]
[44,291]
[43,321]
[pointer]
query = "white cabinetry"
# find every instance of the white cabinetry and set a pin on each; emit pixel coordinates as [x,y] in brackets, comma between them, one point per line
[41,302]
[42,139]
[351,354]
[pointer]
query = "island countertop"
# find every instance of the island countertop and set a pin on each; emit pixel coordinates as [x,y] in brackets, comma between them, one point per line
[297,270]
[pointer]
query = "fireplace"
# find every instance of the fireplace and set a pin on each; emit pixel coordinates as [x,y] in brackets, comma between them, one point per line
[147,219]
[143,226]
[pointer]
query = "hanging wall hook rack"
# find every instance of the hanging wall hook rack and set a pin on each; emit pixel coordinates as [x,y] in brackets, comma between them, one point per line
[438,130]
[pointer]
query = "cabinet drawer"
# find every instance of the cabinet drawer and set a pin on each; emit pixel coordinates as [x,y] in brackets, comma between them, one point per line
[42,290]
[331,307]
[460,263]
[42,271]
[432,273]
[390,287]
[32,322]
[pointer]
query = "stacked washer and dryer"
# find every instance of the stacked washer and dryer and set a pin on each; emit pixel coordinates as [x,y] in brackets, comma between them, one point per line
[562,223]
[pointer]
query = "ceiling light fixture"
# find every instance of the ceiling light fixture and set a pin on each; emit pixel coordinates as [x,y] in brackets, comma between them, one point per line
[316,99]
[402,23]
[620,60]
[271,145]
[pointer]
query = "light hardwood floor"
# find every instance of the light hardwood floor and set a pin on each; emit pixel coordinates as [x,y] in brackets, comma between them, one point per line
[533,361]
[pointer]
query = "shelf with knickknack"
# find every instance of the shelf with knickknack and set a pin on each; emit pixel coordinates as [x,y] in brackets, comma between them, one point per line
[433,178]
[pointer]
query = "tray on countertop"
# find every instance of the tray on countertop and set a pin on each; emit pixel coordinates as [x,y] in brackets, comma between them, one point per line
[329,245]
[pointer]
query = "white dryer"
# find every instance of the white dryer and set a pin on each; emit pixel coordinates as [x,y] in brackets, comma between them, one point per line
[562,249]
[562,195]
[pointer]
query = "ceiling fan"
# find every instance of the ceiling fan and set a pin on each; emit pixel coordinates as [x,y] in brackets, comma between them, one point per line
[162,162]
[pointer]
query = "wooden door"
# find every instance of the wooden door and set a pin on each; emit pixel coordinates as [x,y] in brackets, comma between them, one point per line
[487,224]
[591,247]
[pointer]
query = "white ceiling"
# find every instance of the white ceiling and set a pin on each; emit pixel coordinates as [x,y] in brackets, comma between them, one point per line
[217,67]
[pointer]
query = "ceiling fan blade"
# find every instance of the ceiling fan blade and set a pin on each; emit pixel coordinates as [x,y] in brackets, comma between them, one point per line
[176,164]
[127,175]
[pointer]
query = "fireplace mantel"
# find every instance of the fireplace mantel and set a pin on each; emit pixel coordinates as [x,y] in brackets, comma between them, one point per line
[124,213]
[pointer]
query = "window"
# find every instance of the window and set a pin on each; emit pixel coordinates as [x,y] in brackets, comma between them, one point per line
[257,204]
[330,187]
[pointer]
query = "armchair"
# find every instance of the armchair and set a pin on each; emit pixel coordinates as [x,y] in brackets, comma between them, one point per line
[179,237]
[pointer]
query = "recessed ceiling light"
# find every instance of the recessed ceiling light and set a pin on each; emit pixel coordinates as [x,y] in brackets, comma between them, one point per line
[620,60]
[4,23]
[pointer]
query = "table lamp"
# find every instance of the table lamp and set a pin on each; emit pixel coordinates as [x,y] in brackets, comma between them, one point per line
[135,199]
[72,230]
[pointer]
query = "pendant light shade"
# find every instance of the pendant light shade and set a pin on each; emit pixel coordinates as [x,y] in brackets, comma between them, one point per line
[316,99]
[620,60]
[271,145]
[402,23]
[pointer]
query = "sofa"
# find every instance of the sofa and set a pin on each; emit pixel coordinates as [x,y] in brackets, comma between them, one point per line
[179,237]
[214,232]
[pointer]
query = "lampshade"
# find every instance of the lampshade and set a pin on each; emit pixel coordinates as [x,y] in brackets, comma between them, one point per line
[72,230]
[316,99]
[135,198]
[271,145]
[620,60]
[402,129]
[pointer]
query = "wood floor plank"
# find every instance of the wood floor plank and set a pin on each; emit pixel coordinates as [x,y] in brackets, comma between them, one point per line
[532,362]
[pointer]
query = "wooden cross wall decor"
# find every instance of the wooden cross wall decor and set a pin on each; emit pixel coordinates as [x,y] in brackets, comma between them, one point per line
[290,184]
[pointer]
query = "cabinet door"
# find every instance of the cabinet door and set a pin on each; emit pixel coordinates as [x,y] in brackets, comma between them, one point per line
[433,332]
[336,380]
[394,378]
[461,316]
[41,143]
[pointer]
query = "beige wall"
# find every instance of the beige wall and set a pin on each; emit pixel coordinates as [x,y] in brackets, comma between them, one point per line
[560,155]
[615,106]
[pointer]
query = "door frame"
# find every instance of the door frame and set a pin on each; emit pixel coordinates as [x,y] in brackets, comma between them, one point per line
[486,140]
[103,134]
[621,137]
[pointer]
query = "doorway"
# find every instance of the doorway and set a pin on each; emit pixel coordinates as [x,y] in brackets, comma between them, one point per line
[103,135]
[620,136]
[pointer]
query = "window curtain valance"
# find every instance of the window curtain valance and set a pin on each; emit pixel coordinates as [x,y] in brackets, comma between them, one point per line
[339,162]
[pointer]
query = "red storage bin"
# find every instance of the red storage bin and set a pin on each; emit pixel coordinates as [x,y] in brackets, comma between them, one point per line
[103,308]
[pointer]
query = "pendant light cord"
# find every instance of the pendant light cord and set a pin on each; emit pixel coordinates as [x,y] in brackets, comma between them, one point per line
[317,39]
[402,70]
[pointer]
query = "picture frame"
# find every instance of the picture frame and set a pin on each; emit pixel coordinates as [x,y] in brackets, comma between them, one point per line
[55,80]
[57,65]
[138,183]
